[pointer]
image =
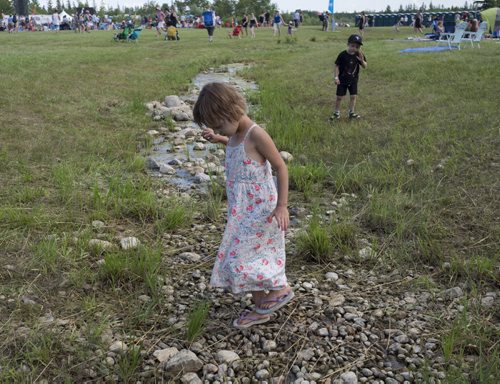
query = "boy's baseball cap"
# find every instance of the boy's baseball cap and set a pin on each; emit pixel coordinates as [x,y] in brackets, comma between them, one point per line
[356,39]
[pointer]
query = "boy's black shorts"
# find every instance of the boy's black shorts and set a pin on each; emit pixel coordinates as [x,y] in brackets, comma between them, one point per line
[343,87]
[210,31]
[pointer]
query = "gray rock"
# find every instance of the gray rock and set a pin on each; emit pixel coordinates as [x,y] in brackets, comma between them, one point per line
[349,378]
[269,345]
[183,361]
[165,354]
[200,178]
[118,347]
[98,224]
[226,356]
[390,380]
[152,132]
[191,378]
[175,162]
[488,301]
[331,276]
[366,253]
[152,164]
[453,293]
[129,242]
[402,339]
[366,372]
[190,256]
[181,116]
[199,146]
[167,169]
[305,355]
[172,101]
[322,332]
[262,374]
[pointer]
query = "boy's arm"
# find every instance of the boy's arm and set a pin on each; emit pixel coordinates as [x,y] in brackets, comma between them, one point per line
[337,73]
[362,60]
[210,135]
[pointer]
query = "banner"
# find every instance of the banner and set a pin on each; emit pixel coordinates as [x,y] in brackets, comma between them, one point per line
[330,6]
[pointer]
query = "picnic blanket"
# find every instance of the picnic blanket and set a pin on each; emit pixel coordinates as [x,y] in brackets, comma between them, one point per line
[427,49]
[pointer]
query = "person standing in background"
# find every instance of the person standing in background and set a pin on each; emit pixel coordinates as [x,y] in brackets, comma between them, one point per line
[296,18]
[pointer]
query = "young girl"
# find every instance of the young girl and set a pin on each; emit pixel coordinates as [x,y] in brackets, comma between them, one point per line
[251,257]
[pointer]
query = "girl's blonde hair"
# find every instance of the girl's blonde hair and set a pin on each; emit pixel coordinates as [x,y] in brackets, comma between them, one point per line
[218,102]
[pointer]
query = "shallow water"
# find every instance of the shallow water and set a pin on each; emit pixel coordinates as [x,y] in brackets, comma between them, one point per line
[165,151]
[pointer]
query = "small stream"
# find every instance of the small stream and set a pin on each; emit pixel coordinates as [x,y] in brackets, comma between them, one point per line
[193,158]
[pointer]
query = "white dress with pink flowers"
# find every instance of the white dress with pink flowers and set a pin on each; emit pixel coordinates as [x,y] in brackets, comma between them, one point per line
[251,256]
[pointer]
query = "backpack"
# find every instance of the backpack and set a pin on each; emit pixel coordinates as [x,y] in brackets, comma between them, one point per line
[208,18]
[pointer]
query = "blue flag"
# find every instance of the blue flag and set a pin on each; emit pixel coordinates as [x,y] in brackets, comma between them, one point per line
[330,6]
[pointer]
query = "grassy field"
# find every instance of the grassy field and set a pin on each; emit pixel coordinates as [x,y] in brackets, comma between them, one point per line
[424,163]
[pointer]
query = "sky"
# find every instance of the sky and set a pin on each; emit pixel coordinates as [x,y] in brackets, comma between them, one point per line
[317,5]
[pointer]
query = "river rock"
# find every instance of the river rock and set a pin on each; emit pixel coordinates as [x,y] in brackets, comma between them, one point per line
[331,276]
[227,357]
[98,224]
[191,378]
[172,101]
[152,164]
[163,355]
[453,293]
[118,347]
[262,374]
[181,116]
[183,361]
[349,378]
[167,169]
[129,242]
[200,178]
[190,256]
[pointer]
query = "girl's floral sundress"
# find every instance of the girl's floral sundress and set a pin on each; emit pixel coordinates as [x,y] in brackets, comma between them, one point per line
[251,256]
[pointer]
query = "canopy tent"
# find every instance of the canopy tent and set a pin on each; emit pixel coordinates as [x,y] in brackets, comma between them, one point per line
[64,13]
[492,16]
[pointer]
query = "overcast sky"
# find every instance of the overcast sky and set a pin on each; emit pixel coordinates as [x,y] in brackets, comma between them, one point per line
[318,5]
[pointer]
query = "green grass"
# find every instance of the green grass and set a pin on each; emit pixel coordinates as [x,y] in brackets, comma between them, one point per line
[73,125]
[196,320]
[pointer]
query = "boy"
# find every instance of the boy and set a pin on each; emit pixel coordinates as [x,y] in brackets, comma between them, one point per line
[347,73]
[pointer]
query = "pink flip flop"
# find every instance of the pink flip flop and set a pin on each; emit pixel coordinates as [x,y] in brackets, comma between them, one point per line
[280,301]
[251,320]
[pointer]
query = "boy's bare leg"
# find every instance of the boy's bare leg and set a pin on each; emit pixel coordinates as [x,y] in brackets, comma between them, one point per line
[352,103]
[338,102]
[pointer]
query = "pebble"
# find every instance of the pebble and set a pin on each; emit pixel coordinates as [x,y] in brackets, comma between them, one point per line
[167,169]
[269,345]
[323,332]
[190,256]
[118,347]
[349,378]
[129,242]
[225,356]
[366,253]
[98,224]
[191,378]
[453,293]
[201,178]
[165,354]
[183,361]
[487,301]
[262,374]
[172,101]
[331,276]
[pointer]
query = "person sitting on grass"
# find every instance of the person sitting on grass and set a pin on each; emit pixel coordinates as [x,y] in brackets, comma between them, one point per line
[347,68]
[251,257]
[172,32]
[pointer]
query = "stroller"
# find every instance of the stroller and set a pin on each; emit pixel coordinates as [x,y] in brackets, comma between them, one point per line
[236,33]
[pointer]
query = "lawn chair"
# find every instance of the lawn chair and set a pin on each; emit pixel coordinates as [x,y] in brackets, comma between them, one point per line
[134,36]
[453,38]
[476,37]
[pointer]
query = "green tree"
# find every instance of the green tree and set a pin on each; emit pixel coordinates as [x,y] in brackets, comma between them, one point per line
[58,5]
[50,6]
[388,9]
[224,8]
[6,6]
[254,6]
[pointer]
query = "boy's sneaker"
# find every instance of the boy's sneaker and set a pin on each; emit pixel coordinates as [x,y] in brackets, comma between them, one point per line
[353,116]
[335,116]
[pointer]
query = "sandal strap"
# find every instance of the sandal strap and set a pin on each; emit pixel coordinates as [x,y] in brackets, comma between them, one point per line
[278,299]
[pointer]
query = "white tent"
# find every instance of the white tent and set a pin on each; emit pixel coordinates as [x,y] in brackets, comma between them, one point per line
[64,13]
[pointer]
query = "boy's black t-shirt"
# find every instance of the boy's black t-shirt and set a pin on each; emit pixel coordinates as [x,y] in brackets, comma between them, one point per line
[348,66]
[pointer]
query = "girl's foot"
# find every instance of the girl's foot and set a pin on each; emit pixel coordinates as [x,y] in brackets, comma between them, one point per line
[335,116]
[249,318]
[354,116]
[275,300]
